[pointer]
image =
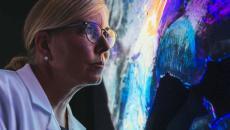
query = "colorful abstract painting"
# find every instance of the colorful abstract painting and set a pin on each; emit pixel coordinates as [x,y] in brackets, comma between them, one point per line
[154,37]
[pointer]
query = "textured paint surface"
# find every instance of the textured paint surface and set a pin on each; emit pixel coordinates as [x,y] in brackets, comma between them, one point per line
[154,37]
[129,74]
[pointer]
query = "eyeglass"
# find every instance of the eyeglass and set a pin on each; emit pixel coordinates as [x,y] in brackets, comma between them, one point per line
[93,32]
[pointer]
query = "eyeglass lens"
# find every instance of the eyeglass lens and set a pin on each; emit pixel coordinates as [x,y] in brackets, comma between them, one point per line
[93,32]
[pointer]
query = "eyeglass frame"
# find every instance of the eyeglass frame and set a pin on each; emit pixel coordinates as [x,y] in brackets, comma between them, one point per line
[85,24]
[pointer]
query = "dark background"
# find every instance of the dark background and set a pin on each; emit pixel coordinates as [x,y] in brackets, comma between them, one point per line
[89,105]
[12,15]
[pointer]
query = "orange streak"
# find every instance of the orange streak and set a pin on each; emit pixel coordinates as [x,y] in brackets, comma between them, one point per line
[154,15]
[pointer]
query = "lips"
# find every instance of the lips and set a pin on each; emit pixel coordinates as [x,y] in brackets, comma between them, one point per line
[98,64]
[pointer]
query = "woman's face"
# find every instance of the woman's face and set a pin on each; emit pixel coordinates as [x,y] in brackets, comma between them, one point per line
[74,58]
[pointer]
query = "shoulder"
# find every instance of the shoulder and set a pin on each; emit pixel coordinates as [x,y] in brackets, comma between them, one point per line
[10,84]
[4,74]
[12,97]
[12,89]
[7,77]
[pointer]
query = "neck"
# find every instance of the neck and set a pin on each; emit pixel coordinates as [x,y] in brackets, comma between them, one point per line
[58,92]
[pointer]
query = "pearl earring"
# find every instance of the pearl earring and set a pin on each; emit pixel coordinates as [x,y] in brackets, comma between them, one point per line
[46,58]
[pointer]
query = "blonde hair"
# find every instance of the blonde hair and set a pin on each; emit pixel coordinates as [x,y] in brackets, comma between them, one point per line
[51,14]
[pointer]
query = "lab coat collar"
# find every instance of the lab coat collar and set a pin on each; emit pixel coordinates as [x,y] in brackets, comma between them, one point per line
[73,123]
[35,89]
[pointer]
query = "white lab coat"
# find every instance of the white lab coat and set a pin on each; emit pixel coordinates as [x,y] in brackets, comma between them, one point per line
[24,104]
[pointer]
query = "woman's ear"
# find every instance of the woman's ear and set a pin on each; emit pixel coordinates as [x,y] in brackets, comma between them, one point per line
[42,40]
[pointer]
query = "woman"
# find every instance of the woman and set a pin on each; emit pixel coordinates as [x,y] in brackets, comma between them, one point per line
[68,43]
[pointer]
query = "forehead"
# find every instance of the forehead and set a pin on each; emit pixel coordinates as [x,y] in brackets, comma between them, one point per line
[100,17]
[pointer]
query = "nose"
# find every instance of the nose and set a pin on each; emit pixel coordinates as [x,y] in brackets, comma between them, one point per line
[102,46]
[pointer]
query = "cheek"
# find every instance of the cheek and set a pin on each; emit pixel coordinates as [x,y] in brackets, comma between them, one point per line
[73,51]
[81,52]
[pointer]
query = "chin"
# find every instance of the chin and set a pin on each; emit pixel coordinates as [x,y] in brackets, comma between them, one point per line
[93,80]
